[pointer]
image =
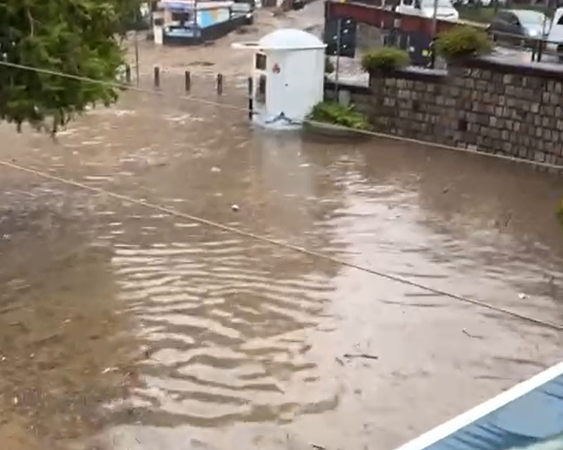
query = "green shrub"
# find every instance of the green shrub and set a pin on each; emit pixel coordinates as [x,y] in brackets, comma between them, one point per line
[463,41]
[329,66]
[385,59]
[338,114]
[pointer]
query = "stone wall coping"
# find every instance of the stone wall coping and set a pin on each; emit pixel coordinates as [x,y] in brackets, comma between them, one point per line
[353,88]
[413,73]
[494,63]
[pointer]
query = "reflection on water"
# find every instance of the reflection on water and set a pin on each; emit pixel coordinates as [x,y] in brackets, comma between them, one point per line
[153,332]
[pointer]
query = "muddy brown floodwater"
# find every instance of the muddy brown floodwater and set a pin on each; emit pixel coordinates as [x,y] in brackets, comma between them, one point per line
[124,328]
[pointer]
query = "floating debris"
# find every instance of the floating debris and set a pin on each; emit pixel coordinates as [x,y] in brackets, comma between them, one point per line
[360,355]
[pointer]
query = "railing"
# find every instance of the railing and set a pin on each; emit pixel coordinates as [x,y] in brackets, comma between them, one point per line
[539,48]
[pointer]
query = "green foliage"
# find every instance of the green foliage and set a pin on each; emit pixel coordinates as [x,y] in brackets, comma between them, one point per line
[77,37]
[462,41]
[329,66]
[385,59]
[338,114]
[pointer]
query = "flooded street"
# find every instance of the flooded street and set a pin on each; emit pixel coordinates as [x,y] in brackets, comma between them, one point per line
[125,327]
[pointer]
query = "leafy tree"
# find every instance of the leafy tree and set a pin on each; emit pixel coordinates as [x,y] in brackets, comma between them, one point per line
[77,37]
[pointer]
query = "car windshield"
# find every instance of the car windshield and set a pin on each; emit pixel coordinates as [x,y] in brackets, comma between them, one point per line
[530,17]
[441,4]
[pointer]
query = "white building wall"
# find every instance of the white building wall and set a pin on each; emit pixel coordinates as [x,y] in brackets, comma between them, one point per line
[303,82]
[297,87]
[275,89]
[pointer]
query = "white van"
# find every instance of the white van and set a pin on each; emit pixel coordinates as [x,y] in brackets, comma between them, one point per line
[555,35]
[445,8]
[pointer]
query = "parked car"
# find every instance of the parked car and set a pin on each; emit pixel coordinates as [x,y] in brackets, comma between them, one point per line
[519,23]
[444,8]
[244,8]
[555,36]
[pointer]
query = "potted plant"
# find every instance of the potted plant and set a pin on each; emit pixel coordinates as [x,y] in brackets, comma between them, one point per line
[463,42]
[385,59]
[335,119]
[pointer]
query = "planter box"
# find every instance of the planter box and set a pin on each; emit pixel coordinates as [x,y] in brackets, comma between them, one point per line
[328,130]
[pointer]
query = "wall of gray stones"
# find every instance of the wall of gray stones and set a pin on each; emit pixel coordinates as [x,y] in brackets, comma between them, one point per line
[484,106]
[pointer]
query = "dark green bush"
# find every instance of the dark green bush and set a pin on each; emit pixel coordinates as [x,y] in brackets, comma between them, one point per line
[385,59]
[463,41]
[338,114]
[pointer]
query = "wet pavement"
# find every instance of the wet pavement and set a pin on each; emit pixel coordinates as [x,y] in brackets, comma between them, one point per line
[125,328]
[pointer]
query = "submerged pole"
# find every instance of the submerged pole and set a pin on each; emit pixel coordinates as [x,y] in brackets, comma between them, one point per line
[137,70]
[220,84]
[250,100]
[156,77]
[187,81]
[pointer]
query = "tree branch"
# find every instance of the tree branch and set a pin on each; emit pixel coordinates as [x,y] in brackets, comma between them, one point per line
[30,20]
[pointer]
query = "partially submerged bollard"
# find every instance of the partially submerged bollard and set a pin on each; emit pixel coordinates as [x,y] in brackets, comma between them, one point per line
[187,81]
[127,73]
[157,77]
[220,84]
[250,101]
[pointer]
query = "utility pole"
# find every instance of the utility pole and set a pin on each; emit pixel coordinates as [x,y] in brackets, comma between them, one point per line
[435,20]
[540,43]
[338,48]
[137,70]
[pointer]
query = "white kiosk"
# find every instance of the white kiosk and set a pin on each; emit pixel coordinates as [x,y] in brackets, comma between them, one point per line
[288,77]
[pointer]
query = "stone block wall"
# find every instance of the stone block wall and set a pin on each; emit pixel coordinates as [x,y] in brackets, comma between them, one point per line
[514,110]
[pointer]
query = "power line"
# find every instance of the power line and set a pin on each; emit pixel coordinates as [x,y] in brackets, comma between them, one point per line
[285,245]
[203,221]
[117,85]
[230,106]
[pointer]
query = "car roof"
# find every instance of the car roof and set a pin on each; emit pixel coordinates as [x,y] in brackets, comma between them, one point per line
[525,11]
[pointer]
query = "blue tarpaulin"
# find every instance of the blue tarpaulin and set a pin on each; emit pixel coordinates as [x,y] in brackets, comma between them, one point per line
[528,414]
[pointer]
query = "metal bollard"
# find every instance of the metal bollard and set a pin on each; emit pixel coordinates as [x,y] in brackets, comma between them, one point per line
[219,84]
[127,73]
[250,101]
[539,48]
[187,81]
[157,77]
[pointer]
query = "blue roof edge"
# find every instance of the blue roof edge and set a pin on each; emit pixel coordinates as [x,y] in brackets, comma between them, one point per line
[489,436]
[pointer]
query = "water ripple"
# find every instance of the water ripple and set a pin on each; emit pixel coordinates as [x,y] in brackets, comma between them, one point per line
[219,328]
